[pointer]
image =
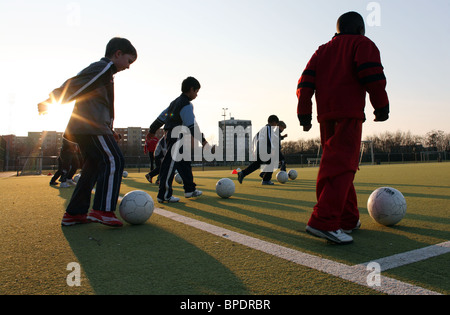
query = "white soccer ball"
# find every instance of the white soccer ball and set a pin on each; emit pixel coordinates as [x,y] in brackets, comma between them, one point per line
[293,174]
[76,178]
[125,174]
[178,178]
[282,177]
[136,207]
[387,206]
[225,188]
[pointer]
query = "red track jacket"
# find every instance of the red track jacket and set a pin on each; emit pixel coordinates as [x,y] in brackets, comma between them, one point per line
[340,73]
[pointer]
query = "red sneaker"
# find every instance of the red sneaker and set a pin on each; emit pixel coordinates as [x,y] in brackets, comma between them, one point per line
[69,219]
[104,217]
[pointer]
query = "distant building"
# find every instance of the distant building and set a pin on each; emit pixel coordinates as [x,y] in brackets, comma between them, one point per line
[237,140]
[133,140]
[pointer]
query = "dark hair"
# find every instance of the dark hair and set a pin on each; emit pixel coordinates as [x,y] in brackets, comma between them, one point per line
[121,44]
[351,23]
[189,83]
[273,119]
[282,124]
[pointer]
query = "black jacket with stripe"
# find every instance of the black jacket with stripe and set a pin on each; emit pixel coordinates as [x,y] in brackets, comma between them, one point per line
[93,91]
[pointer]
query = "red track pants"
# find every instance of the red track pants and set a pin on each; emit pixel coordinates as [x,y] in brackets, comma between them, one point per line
[337,205]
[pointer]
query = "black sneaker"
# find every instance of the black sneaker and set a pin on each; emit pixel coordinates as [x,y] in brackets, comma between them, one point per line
[240,177]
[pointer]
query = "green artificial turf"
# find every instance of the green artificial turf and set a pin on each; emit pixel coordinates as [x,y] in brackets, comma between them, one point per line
[167,257]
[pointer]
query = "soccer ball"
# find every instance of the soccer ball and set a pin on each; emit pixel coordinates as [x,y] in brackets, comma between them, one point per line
[387,206]
[225,188]
[125,174]
[282,177]
[178,179]
[293,174]
[136,207]
[76,178]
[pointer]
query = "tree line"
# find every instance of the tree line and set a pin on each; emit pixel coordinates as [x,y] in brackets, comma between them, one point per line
[387,142]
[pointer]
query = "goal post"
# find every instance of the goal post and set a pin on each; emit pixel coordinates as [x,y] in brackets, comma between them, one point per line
[35,164]
[368,144]
[364,145]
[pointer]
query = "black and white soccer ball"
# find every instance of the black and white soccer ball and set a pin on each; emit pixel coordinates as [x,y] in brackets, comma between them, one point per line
[136,207]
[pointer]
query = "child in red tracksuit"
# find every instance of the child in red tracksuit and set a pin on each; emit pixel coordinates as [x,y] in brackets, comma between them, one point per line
[340,73]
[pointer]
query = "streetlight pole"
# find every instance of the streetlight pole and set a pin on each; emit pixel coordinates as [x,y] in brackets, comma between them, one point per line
[225,134]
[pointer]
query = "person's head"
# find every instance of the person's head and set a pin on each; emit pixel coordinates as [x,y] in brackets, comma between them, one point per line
[190,87]
[273,120]
[121,52]
[281,125]
[351,23]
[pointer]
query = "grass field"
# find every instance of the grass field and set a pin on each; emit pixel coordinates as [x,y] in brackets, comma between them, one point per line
[167,257]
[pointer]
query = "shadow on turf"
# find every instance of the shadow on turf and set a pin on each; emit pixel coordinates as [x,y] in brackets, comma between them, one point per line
[147,259]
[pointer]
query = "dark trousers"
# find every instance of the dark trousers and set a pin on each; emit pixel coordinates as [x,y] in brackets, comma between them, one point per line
[168,166]
[103,167]
[152,160]
[267,176]
[157,169]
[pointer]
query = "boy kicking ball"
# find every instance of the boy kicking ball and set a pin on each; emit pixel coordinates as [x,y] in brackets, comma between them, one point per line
[91,127]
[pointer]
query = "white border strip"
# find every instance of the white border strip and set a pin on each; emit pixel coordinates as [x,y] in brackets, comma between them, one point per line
[356,274]
[413,256]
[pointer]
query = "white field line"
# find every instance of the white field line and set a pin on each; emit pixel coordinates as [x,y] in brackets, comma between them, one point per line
[356,274]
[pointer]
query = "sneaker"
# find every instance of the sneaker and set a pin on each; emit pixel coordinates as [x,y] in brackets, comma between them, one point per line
[53,183]
[240,177]
[104,217]
[71,182]
[172,199]
[267,182]
[337,237]
[69,219]
[148,178]
[64,185]
[195,193]
[357,227]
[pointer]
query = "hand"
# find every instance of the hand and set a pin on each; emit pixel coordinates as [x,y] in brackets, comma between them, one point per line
[43,108]
[117,136]
[381,118]
[307,128]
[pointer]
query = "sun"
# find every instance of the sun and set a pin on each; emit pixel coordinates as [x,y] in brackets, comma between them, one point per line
[57,116]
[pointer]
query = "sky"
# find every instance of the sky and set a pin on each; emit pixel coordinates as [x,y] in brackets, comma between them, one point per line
[247,54]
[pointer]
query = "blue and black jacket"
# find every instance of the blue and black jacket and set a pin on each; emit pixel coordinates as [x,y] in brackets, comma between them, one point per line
[179,113]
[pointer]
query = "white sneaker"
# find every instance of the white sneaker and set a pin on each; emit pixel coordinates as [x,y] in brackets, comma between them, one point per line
[337,237]
[64,185]
[357,227]
[172,199]
[196,193]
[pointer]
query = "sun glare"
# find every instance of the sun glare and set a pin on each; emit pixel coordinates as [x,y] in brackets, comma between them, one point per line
[57,116]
